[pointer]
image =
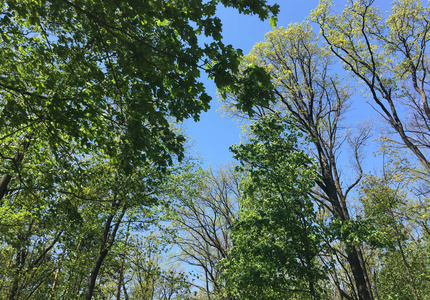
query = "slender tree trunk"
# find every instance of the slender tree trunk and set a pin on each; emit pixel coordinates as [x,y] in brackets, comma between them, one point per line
[95,272]
[3,184]
[408,269]
[54,284]
[16,160]
[334,193]
[108,239]
[359,249]
[121,278]
[375,280]
[125,291]
[336,282]
[79,284]
[312,290]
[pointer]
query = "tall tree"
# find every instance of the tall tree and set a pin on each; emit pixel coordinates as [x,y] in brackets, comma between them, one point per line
[306,90]
[276,239]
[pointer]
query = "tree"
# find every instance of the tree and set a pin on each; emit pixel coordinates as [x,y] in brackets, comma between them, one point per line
[387,53]
[276,239]
[380,203]
[207,205]
[305,90]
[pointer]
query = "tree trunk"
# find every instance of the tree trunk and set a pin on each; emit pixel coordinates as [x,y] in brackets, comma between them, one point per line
[94,273]
[358,273]
[359,249]
[108,239]
[57,273]
[16,160]
[338,203]
[3,184]
[121,278]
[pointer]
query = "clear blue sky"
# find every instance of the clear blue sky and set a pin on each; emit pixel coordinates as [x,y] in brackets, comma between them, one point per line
[212,136]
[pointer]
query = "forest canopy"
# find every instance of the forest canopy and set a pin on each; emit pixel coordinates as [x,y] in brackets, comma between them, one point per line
[101,196]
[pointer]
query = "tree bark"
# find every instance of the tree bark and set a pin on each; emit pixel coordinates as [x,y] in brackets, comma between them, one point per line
[16,160]
[108,239]
[358,273]
[334,193]
[95,272]
[3,184]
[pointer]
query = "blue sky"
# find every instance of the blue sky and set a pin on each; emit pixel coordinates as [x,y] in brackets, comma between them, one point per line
[212,136]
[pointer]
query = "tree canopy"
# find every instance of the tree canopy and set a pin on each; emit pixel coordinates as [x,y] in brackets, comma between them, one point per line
[100,197]
[90,92]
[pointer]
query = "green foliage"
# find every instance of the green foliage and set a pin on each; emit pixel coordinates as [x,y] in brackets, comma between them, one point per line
[381,205]
[393,280]
[253,87]
[107,76]
[90,92]
[276,239]
[396,218]
[149,272]
[360,230]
